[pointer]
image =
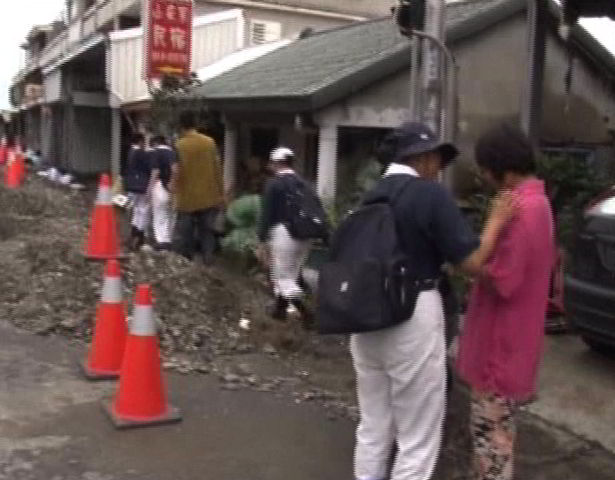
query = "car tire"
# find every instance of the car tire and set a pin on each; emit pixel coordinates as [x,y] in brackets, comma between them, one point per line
[598,346]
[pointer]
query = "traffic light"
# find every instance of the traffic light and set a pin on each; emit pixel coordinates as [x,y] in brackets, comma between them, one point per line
[410,15]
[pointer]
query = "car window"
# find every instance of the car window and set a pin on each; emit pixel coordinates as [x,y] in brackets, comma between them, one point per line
[605,207]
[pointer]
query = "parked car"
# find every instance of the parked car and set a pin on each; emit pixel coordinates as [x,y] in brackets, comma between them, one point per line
[590,280]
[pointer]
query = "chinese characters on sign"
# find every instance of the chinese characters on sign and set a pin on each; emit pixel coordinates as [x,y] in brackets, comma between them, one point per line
[168,42]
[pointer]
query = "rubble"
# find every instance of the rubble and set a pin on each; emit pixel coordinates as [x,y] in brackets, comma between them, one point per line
[209,319]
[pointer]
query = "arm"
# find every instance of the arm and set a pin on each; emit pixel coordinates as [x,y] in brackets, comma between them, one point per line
[152,180]
[219,174]
[174,177]
[504,209]
[268,211]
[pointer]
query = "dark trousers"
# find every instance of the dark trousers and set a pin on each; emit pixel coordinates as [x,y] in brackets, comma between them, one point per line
[195,229]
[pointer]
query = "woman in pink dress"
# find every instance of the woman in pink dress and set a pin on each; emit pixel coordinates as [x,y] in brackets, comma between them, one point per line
[502,339]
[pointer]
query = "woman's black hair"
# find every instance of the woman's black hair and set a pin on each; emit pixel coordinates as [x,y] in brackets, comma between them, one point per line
[505,149]
[187,120]
[137,138]
[159,140]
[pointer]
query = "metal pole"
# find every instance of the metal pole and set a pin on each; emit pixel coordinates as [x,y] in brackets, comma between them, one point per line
[531,110]
[450,102]
[415,84]
[432,79]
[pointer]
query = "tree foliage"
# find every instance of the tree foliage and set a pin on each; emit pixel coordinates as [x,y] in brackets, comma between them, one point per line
[169,97]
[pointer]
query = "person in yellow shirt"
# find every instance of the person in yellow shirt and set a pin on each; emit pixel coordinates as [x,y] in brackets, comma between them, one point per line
[196,182]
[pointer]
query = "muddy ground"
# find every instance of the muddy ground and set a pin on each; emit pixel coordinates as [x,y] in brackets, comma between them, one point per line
[49,288]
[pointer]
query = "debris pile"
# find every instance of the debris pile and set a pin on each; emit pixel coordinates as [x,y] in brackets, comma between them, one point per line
[211,320]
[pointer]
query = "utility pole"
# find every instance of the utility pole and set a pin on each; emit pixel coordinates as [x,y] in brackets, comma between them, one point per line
[531,111]
[433,72]
[433,78]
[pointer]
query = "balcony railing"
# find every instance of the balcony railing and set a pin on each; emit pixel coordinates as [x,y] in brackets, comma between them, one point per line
[99,15]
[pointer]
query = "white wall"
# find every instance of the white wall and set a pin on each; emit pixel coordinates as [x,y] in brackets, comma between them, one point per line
[214,37]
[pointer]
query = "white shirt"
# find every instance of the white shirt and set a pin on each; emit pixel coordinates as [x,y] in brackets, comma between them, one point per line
[399,168]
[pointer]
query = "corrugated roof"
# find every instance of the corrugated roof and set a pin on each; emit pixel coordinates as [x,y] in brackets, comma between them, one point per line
[315,71]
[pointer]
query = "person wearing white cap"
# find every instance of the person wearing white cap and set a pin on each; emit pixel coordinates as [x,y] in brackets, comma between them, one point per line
[286,255]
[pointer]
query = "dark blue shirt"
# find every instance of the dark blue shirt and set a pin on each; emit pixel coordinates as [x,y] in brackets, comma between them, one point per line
[431,227]
[138,170]
[162,158]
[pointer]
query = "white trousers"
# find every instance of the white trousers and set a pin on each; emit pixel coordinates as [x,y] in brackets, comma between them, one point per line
[288,256]
[401,383]
[141,211]
[163,214]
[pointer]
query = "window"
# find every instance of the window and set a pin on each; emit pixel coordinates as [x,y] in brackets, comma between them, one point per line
[264,32]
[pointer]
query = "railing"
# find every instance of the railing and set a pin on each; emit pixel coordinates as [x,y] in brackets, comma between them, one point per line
[80,28]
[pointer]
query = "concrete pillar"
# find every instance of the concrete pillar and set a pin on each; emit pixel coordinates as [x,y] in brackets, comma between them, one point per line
[231,135]
[327,162]
[116,141]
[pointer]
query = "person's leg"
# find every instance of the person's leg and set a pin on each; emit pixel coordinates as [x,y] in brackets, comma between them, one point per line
[280,308]
[286,262]
[417,365]
[162,215]
[205,233]
[301,255]
[184,236]
[493,430]
[375,433]
[140,220]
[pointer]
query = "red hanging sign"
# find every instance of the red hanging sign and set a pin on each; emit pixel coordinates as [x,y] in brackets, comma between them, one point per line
[168,38]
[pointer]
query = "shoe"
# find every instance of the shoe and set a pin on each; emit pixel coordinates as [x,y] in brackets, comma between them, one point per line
[306,316]
[163,247]
[279,309]
[137,239]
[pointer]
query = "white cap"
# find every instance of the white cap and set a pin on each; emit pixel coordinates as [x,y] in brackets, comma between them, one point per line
[281,154]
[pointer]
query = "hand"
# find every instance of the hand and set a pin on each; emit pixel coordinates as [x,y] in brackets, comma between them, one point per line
[504,208]
[262,253]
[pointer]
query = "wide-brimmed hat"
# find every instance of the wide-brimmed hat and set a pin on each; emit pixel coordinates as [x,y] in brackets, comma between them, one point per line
[414,138]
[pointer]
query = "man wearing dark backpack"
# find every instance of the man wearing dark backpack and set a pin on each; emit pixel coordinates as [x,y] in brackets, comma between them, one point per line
[399,360]
[292,217]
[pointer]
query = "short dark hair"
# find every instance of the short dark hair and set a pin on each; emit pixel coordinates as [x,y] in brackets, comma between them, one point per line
[137,138]
[159,140]
[505,149]
[187,120]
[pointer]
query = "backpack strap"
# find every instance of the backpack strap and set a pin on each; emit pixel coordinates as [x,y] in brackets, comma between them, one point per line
[393,200]
[400,190]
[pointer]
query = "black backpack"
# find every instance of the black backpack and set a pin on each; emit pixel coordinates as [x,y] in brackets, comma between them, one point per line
[305,215]
[137,175]
[367,283]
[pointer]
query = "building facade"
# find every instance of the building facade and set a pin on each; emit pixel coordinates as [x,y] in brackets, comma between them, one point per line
[353,86]
[81,91]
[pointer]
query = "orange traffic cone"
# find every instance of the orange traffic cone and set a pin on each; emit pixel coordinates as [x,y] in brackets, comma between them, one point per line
[140,399]
[3,152]
[20,166]
[102,239]
[12,177]
[107,350]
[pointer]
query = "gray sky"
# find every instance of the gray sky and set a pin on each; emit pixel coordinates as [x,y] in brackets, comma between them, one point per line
[15,23]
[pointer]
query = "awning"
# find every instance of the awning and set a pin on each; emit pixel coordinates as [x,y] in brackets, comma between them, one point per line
[93,41]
